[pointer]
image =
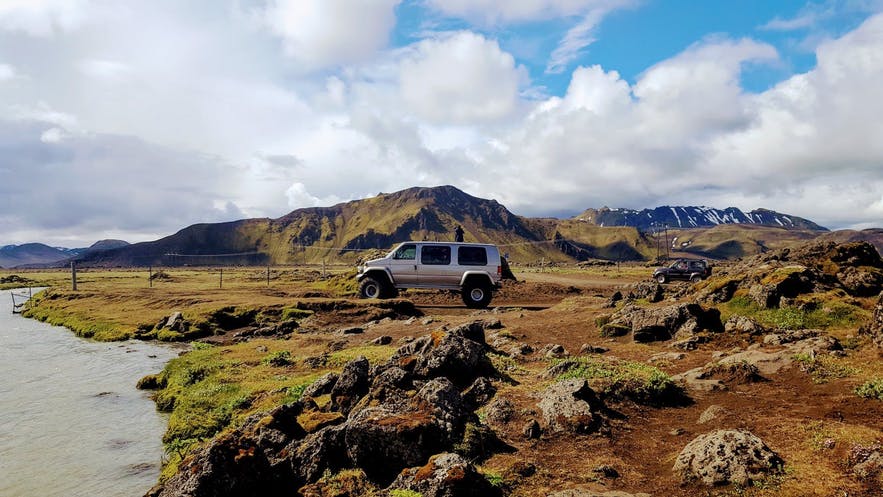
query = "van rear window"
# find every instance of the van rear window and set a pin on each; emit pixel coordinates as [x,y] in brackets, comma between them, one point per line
[472,256]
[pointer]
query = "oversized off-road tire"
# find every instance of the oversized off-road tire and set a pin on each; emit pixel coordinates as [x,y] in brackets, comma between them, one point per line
[661,278]
[476,294]
[371,288]
[695,278]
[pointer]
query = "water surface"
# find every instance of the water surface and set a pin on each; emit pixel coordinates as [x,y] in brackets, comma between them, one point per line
[71,421]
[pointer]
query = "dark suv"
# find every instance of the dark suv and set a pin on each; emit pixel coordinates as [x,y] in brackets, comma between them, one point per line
[693,270]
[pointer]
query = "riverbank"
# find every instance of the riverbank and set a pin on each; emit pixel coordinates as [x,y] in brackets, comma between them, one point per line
[73,423]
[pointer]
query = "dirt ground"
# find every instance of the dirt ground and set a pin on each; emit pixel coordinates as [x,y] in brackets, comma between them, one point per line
[811,426]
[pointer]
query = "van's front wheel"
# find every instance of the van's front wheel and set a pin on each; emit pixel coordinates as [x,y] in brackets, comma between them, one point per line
[370,288]
[476,295]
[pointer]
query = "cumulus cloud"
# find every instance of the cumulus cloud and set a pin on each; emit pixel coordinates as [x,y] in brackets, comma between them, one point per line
[42,17]
[461,78]
[322,33]
[84,184]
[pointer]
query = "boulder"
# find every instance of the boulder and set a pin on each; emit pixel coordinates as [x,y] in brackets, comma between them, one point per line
[381,340]
[319,452]
[650,290]
[322,386]
[726,456]
[453,355]
[479,393]
[554,351]
[500,410]
[570,406]
[445,475]
[350,386]
[765,296]
[383,442]
[782,337]
[662,323]
[743,324]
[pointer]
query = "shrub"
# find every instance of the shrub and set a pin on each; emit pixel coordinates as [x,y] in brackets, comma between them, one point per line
[279,359]
[871,389]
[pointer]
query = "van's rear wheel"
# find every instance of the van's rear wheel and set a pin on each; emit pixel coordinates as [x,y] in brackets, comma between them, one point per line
[476,295]
[371,288]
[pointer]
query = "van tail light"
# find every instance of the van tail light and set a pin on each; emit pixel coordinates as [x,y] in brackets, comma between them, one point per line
[499,270]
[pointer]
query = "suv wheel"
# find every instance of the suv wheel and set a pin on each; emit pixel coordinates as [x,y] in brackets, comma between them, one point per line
[476,295]
[370,288]
[695,278]
[661,278]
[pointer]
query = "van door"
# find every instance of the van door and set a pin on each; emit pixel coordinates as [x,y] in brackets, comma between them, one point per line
[435,266]
[403,265]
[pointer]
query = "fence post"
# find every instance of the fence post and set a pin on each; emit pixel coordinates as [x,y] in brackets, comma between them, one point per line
[323,269]
[150,277]
[74,276]
[268,275]
[221,279]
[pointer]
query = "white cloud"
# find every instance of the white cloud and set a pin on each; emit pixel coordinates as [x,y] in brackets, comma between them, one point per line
[52,135]
[7,72]
[42,17]
[461,78]
[299,197]
[323,33]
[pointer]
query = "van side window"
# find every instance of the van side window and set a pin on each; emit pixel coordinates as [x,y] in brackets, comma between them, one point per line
[472,256]
[435,255]
[406,252]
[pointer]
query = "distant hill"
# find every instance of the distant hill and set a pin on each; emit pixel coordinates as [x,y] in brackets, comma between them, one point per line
[693,217]
[341,233]
[31,254]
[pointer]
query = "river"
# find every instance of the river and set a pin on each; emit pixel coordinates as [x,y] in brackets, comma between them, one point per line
[72,422]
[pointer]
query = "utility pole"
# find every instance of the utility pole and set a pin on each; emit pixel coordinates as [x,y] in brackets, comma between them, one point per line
[149,276]
[221,279]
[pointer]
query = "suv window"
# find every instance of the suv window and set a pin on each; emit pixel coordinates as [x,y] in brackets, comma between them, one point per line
[406,252]
[697,266]
[472,256]
[435,254]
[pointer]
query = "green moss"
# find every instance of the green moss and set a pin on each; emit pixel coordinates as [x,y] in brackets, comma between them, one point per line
[626,380]
[404,493]
[293,313]
[824,368]
[833,313]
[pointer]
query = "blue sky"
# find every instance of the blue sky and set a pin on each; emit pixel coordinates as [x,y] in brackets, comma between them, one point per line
[182,112]
[633,38]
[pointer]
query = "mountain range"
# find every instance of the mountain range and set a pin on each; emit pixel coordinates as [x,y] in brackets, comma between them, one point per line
[343,232]
[38,253]
[693,217]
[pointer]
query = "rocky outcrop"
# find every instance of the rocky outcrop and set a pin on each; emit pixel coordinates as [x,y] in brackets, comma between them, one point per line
[382,420]
[663,323]
[726,456]
[874,328]
[445,475]
[570,406]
